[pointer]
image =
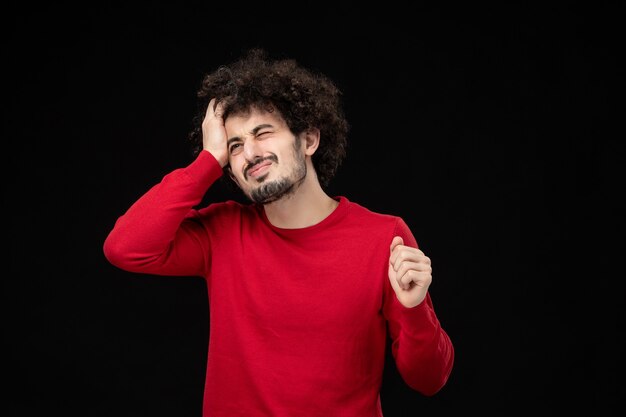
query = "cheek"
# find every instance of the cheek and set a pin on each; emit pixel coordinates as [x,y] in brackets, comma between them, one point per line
[235,168]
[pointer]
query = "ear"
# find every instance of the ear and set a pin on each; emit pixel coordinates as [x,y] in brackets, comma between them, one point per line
[311,140]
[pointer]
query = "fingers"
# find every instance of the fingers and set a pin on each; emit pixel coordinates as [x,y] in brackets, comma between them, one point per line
[407,266]
[400,253]
[214,137]
[397,240]
[419,274]
[215,109]
[410,265]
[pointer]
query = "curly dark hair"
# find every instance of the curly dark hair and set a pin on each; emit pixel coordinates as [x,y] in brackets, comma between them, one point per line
[303,98]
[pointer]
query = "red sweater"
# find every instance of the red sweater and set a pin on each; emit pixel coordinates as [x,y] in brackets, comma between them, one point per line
[298,317]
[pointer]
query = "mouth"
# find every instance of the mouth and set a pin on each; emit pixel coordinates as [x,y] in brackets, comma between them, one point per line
[255,171]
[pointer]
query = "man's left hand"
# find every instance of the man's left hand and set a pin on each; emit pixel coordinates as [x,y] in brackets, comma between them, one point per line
[410,273]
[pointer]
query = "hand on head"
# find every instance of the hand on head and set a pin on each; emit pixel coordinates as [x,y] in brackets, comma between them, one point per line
[214,138]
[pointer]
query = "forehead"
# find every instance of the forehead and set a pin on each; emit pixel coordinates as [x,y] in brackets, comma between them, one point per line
[243,123]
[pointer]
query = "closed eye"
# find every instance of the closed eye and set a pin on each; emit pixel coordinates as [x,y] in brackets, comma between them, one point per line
[236,145]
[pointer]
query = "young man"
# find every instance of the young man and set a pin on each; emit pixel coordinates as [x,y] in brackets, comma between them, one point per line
[303,287]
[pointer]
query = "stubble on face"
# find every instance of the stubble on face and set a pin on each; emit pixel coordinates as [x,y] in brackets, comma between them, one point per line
[274,190]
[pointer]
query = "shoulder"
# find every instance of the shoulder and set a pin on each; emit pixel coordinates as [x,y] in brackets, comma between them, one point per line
[381,223]
[359,211]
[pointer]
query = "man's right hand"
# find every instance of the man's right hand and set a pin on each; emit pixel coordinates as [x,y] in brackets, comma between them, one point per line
[214,133]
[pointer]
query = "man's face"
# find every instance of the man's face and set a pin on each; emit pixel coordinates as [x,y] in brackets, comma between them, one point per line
[266,159]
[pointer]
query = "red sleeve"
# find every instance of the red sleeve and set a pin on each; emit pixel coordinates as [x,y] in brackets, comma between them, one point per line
[422,350]
[157,234]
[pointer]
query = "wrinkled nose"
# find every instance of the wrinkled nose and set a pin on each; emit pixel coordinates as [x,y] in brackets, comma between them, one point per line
[251,150]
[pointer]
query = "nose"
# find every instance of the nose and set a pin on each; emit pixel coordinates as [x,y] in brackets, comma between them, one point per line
[251,150]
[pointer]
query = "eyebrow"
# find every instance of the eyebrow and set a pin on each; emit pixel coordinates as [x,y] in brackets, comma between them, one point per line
[253,132]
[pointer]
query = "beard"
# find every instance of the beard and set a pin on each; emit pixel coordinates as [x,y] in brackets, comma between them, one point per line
[271,191]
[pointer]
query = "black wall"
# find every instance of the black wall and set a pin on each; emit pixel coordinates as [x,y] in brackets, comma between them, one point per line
[495,133]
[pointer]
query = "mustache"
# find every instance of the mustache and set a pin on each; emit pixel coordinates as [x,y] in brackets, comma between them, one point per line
[257,161]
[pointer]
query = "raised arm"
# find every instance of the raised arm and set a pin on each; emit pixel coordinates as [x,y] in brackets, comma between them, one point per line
[158,233]
[423,352]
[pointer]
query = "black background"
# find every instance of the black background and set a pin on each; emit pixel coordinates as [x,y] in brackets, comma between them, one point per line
[494,132]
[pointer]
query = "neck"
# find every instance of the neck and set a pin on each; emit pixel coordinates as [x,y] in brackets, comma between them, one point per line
[308,205]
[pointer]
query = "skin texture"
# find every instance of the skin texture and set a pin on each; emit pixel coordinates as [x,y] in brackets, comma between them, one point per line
[273,166]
